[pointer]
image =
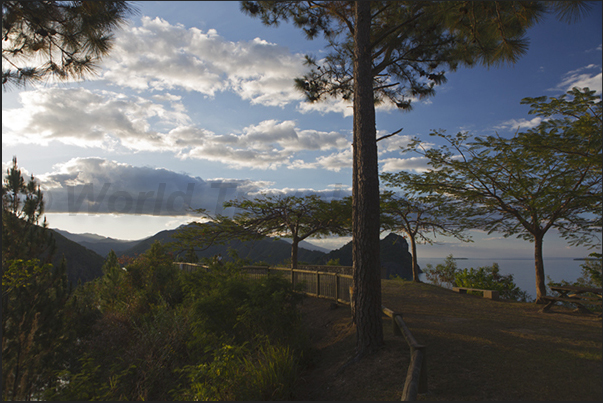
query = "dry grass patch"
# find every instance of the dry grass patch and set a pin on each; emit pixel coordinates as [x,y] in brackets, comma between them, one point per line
[477,349]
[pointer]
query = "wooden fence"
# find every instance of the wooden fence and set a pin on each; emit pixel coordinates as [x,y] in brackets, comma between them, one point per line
[337,286]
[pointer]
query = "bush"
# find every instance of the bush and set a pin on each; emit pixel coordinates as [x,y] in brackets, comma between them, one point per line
[237,372]
[154,332]
[592,271]
[487,278]
[443,274]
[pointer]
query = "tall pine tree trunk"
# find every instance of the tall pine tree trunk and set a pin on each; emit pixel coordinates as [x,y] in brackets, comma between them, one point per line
[539,265]
[365,191]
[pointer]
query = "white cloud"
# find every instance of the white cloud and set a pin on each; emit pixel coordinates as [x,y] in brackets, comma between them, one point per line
[588,76]
[118,122]
[346,108]
[417,164]
[517,124]
[93,186]
[333,162]
[99,186]
[393,143]
[329,105]
[162,56]
[85,118]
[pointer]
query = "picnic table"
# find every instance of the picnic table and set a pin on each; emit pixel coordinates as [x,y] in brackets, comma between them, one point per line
[574,295]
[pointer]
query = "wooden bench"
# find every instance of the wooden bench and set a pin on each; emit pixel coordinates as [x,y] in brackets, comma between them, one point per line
[577,301]
[578,296]
[491,294]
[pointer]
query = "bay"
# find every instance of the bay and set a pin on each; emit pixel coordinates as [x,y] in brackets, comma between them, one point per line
[522,270]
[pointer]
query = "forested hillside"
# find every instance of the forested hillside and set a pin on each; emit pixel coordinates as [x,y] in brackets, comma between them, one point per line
[270,251]
[82,264]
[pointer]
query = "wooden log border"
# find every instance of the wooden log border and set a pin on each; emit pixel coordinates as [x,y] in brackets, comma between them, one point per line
[416,377]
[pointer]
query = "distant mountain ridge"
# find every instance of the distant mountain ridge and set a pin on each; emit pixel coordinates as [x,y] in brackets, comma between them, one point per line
[395,257]
[98,243]
[267,250]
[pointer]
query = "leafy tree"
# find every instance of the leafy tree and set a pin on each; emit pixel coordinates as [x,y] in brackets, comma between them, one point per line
[385,50]
[62,39]
[283,216]
[34,293]
[524,187]
[592,272]
[419,215]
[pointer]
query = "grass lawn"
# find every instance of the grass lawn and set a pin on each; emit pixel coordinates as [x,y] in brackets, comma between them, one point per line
[477,349]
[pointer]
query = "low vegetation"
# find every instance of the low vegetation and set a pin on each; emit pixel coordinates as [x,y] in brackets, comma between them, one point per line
[149,331]
[448,275]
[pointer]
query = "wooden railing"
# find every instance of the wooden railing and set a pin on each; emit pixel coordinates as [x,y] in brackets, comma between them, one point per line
[337,286]
[416,377]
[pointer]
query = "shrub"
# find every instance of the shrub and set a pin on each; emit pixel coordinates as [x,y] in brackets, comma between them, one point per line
[592,271]
[489,278]
[443,274]
[238,372]
[448,275]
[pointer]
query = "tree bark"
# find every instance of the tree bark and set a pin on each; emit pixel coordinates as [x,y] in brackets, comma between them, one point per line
[365,192]
[415,264]
[539,265]
[294,248]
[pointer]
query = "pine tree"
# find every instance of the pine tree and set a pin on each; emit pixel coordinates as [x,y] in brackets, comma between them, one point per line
[34,294]
[386,50]
[67,38]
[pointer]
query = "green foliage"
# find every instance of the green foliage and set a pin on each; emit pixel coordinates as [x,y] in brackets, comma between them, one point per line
[239,373]
[23,236]
[443,274]
[547,177]
[412,44]
[69,36]
[448,275]
[34,292]
[277,216]
[154,332]
[592,271]
[333,262]
[34,331]
[239,308]
[489,278]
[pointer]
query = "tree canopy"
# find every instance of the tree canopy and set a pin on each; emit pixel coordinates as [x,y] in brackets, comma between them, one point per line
[59,39]
[395,51]
[279,216]
[421,217]
[547,177]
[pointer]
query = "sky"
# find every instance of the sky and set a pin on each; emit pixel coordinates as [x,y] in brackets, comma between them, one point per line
[195,105]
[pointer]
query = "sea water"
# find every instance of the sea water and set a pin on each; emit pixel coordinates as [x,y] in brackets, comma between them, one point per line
[523,271]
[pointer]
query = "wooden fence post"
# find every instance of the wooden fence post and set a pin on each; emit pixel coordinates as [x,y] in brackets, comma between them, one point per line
[397,331]
[317,284]
[336,287]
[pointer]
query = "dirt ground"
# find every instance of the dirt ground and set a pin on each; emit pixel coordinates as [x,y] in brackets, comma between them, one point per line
[477,349]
